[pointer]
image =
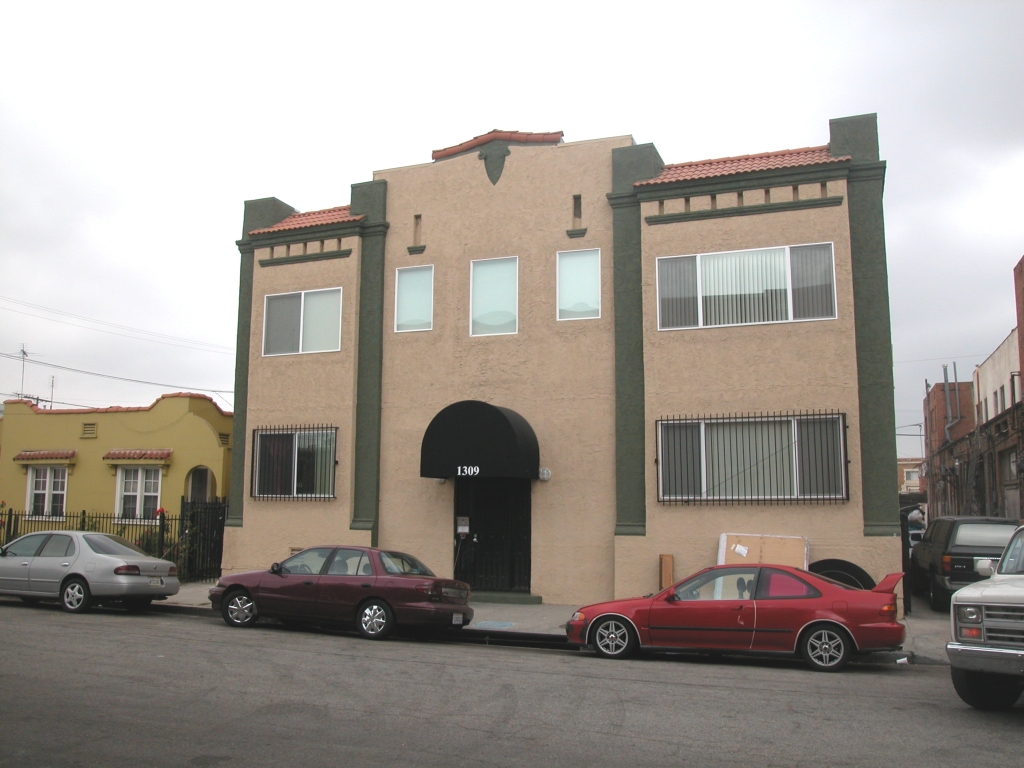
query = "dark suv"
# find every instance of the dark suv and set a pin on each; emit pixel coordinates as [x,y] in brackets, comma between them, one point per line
[945,559]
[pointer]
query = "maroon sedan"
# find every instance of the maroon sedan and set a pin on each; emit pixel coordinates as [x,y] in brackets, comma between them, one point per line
[763,609]
[373,589]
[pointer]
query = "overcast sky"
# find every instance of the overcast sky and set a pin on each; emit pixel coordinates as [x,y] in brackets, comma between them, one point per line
[130,135]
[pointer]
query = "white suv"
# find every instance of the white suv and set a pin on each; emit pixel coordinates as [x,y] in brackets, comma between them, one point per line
[987,622]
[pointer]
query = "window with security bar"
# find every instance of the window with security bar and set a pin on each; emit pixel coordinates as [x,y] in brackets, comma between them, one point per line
[294,462]
[764,458]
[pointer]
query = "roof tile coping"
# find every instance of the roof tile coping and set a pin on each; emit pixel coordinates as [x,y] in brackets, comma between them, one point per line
[119,408]
[726,166]
[519,137]
[339,215]
[45,455]
[160,454]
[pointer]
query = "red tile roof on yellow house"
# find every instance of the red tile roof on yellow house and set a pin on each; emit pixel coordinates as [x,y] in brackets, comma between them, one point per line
[118,408]
[340,215]
[726,166]
[45,455]
[153,454]
[519,137]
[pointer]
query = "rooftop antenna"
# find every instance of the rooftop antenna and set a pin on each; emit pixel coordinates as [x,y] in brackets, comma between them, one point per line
[53,380]
[24,354]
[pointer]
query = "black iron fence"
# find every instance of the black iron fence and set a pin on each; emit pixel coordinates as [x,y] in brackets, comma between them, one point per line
[192,540]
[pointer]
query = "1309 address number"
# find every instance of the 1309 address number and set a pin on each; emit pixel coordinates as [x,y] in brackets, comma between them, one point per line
[467,471]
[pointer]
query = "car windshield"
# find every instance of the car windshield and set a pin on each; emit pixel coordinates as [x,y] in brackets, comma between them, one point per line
[980,535]
[1013,557]
[398,562]
[108,544]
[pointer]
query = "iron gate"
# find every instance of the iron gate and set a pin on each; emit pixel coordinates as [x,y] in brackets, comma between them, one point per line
[200,539]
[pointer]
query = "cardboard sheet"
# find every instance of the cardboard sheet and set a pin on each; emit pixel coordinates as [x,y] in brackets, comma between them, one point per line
[748,548]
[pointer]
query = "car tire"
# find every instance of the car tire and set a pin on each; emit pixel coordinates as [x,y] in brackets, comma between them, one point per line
[613,638]
[75,596]
[137,604]
[376,620]
[938,598]
[238,609]
[987,691]
[826,647]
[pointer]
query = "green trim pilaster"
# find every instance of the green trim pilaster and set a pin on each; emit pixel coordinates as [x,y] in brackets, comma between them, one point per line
[858,137]
[258,214]
[629,165]
[370,200]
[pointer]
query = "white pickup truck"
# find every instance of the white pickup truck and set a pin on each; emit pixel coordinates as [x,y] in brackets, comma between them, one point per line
[987,622]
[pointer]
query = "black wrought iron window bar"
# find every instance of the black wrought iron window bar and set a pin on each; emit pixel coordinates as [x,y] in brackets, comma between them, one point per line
[765,458]
[294,462]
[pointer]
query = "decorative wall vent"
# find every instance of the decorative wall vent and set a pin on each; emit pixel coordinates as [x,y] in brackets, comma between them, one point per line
[225,439]
[89,429]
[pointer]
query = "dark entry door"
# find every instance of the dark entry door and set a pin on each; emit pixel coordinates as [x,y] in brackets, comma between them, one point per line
[495,555]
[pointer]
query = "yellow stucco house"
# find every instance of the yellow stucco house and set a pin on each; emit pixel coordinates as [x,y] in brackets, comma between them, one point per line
[122,461]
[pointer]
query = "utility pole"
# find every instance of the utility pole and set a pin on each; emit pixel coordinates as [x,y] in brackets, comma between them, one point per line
[53,380]
[24,355]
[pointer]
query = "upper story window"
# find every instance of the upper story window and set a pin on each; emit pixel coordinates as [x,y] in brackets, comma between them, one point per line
[494,296]
[414,299]
[47,491]
[579,284]
[307,321]
[294,462]
[766,285]
[138,492]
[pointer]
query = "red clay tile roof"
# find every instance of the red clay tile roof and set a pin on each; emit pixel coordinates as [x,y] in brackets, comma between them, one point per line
[725,166]
[118,408]
[496,135]
[159,454]
[339,215]
[45,455]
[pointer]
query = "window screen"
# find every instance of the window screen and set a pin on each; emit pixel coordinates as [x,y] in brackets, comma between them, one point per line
[302,322]
[414,299]
[813,281]
[579,284]
[494,296]
[282,324]
[677,292]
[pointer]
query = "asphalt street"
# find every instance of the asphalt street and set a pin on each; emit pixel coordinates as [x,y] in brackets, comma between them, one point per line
[112,689]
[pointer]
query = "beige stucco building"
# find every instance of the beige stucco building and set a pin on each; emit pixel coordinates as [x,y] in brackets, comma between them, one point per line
[539,365]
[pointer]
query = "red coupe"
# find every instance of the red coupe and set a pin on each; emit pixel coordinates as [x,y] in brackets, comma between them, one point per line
[763,609]
[373,589]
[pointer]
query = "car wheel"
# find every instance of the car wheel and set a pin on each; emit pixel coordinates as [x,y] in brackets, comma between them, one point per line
[983,690]
[137,604]
[826,648]
[376,620]
[75,596]
[613,638]
[239,609]
[938,598]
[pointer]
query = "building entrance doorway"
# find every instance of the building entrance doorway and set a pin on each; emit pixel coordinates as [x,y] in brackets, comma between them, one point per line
[495,554]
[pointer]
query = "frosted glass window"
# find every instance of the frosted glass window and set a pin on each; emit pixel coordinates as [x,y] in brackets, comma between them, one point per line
[744,287]
[321,321]
[302,322]
[579,284]
[494,296]
[414,299]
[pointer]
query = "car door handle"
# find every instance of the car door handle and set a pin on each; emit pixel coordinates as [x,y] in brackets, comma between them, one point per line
[365,586]
[64,565]
[308,583]
[25,563]
[738,608]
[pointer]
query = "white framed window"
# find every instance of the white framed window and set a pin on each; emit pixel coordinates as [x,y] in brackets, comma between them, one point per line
[302,322]
[791,283]
[294,462]
[494,296]
[414,298]
[751,459]
[579,284]
[47,491]
[138,492]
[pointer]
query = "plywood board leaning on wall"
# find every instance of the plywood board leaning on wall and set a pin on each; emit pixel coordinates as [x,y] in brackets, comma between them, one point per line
[747,548]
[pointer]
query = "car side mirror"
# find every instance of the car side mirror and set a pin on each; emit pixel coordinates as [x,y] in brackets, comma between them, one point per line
[670,597]
[3,551]
[275,568]
[985,568]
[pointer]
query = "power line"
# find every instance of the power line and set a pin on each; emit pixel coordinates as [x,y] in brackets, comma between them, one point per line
[104,322]
[180,387]
[933,359]
[115,333]
[22,396]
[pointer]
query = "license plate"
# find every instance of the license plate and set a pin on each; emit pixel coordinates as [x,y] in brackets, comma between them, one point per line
[156,582]
[456,618]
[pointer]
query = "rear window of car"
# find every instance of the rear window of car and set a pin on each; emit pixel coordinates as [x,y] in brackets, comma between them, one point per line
[401,563]
[108,544]
[979,535]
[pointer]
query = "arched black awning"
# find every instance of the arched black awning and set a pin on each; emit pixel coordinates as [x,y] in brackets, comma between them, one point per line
[479,440]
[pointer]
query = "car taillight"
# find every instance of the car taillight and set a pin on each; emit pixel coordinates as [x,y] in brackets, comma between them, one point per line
[889,611]
[457,592]
[127,570]
[947,564]
[429,589]
[172,571]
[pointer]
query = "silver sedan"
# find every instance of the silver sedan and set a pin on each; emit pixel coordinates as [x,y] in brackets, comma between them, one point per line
[81,568]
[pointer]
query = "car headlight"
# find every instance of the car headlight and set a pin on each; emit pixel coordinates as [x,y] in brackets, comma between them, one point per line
[968,614]
[578,616]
